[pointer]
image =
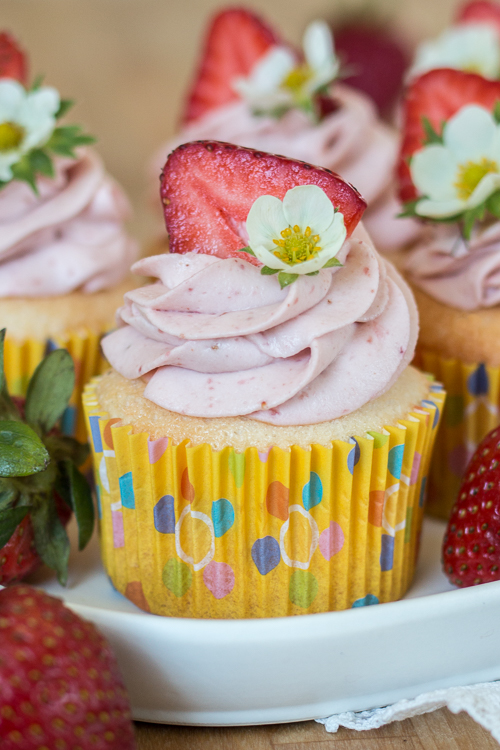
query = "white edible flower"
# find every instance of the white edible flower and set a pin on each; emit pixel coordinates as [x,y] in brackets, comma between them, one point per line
[474,48]
[298,235]
[279,81]
[27,120]
[463,171]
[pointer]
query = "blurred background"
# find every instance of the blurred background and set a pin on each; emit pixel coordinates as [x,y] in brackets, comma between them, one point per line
[128,63]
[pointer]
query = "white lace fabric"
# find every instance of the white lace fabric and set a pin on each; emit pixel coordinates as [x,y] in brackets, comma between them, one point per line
[481,702]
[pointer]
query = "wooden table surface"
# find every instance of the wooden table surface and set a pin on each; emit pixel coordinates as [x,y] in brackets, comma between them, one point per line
[440,730]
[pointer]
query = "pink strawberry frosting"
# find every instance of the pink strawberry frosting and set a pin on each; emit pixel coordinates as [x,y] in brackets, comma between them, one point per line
[216,338]
[70,236]
[350,141]
[465,275]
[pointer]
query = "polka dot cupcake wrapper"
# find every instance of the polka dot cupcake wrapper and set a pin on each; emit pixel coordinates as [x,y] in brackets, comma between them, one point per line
[22,357]
[472,409]
[188,531]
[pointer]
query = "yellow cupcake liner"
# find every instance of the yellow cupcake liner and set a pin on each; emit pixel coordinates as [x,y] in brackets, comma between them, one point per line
[472,410]
[188,531]
[22,357]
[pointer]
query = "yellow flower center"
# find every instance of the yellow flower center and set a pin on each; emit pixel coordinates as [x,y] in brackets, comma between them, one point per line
[295,246]
[297,78]
[11,136]
[470,175]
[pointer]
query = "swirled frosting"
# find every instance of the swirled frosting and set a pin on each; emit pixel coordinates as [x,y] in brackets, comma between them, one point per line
[216,338]
[351,141]
[70,236]
[462,274]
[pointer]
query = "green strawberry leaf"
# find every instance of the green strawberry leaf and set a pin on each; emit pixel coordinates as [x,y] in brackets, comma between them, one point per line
[23,171]
[76,493]
[496,112]
[41,163]
[8,493]
[409,209]
[50,389]
[493,203]
[266,271]
[248,250]
[51,539]
[287,278]
[64,107]
[21,450]
[10,519]
[431,135]
[63,447]
[8,409]
[64,140]
[332,263]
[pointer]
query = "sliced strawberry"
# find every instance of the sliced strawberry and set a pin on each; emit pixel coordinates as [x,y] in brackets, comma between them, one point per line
[480,11]
[13,63]
[437,96]
[236,40]
[208,188]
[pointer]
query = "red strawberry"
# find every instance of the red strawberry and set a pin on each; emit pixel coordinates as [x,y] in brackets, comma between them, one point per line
[437,96]
[60,686]
[480,11]
[236,40]
[471,546]
[377,59]
[208,188]
[13,63]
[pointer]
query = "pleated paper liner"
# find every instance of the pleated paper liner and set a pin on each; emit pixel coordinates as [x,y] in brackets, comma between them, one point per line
[22,357]
[472,409]
[189,531]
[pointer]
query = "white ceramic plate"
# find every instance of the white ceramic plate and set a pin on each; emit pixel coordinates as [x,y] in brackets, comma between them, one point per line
[229,672]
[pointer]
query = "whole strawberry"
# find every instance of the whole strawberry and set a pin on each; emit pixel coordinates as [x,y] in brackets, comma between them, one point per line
[471,546]
[60,687]
[40,483]
[13,62]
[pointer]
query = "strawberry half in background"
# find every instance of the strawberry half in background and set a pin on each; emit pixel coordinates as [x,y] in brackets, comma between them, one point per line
[471,545]
[431,100]
[40,483]
[236,40]
[480,11]
[60,686]
[208,188]
[13,62]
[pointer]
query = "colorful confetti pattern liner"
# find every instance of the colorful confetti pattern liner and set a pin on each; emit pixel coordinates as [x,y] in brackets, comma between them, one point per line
[472,410]
[188,531]
[22,357]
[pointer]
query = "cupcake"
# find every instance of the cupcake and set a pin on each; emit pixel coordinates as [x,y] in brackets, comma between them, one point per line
[261,443]
[450,177]
[64,252]
[254,90]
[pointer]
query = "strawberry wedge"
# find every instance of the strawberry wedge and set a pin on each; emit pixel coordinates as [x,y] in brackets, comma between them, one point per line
[236,40]
[208,188]
[13,62]
[437,96]
[480,11]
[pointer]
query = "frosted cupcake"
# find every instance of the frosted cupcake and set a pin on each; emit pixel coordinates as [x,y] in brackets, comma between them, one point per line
[64,252]
[254,90]
[261,444]
[450,178]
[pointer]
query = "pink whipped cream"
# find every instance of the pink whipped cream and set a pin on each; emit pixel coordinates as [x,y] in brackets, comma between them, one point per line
[217,339]
[351,141]
[70,236]
[465,275]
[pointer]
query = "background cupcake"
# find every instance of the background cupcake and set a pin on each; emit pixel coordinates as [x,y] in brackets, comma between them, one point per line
[64,252]
[255,90]
[229,481]
[450,177]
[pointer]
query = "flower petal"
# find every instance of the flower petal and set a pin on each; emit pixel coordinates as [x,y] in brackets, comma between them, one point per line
[308,206]
[265,221]
[488,185]
[267,258]
[6,161]
[267,75]
[12,95]
[436,209]
[470,134]
[337,235]
[318,45]
[433,171]
[468,47]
